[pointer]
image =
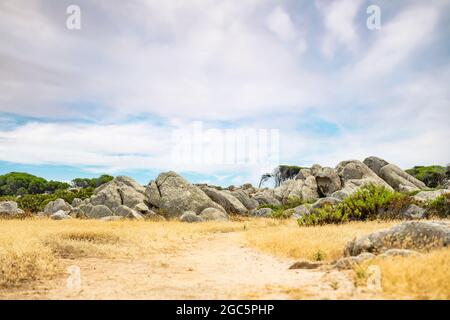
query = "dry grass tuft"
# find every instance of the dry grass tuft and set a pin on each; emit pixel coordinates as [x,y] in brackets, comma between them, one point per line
[423,277]
[312,243]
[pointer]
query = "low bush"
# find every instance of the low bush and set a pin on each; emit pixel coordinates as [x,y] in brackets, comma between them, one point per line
[440,207]
[283,211]
[37,202]
[370,202]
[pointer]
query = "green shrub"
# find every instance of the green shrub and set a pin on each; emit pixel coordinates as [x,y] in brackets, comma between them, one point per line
[328,214]
[370,202]
[37,202]
[439,207]
[283,211]
[432,176]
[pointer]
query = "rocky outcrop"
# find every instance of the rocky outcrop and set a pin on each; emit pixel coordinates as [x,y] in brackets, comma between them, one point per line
[263,212]
[297,190]
[60,215]
[354,174]
[120,191]
[213,214]
[57,205]
[245,199]
[328,181]
[128,213]
[416,235]
[399,179]
[430,195]
[266,197]
[99,211]
[226,200]
[10,208]
[190,217]
[375,164]
[174,195]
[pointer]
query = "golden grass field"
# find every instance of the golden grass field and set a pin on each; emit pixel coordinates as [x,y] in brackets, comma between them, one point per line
[32,249]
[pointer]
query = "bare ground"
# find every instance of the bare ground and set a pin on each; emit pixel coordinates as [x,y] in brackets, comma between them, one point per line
[217,266]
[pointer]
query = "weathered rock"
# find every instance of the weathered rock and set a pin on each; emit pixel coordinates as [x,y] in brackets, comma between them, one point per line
[210,214]
[10,208]
[263,212]
[413,212]
[297,190]
[99,211]
[60,215]
[55,206]
[375,164]
[399,179]
[325,201]
[355,175]
[305,264]
[245,199]
[120,191]
[301,211]
[142,208]
[86,208]
[398,253]
[266,197]
[190,216]
[128,213]
[226,200]
[350,262]
[328,181]
[77,202]
[406,235]
[174,195]
[430,195]
[77,213]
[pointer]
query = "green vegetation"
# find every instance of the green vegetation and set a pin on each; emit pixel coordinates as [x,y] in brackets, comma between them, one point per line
[32,193]
[92,183]
[19,183]
[37,202]
[285,210]
[371,202]
[440,207]
[432,176]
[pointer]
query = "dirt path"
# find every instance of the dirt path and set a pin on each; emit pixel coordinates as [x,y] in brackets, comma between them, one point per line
[218,266]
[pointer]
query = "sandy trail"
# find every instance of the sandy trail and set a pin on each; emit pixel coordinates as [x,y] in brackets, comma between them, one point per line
[217,266]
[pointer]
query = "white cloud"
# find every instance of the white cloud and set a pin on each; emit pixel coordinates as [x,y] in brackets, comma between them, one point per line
[339,23]
[279,22]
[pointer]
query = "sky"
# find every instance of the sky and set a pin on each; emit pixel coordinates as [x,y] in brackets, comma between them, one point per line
[123,94]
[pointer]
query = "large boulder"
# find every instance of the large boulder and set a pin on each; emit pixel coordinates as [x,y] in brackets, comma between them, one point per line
[328,181]
[297,190]
[174,195]
[57,205]
[245,199]
[375,164]
[399,179]
[226,199]
[99,211]
[127,212]
[354,174]
[60,215]
[430,195]
[213,214]
[10,208]
[263,212]
[407,235]
[119,191]
[190,217]
[266,197]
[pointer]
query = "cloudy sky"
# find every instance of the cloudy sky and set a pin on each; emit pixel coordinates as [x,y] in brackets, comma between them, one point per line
[108,98]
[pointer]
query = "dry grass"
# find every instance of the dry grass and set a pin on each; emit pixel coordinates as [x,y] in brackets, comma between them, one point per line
[312,243]
[423,277]
[30,249]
